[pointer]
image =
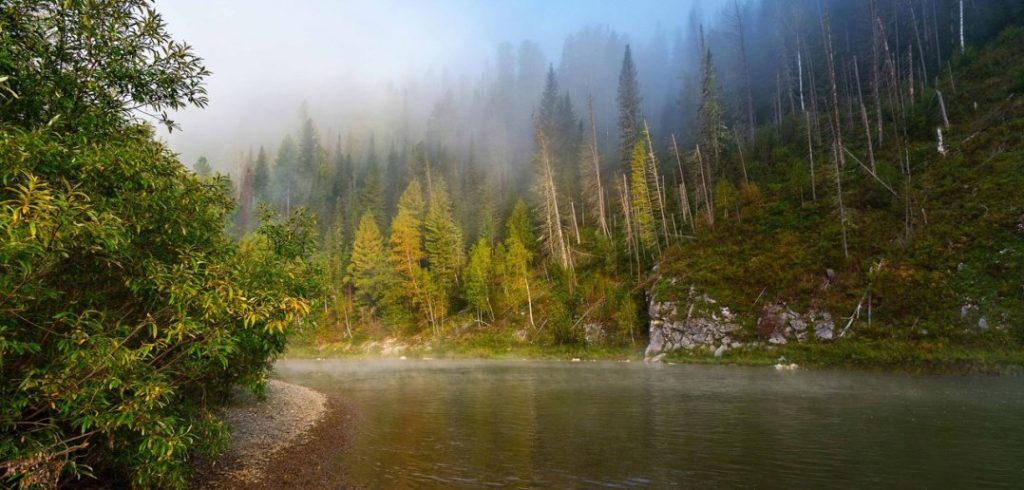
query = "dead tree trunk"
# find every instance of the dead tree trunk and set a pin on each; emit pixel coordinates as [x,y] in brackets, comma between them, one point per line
[652,177]
[864,115]
[708,204]
[837,144]
[684,198]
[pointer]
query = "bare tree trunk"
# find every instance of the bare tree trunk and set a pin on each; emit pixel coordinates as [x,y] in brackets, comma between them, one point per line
[684,198]
[708,204]
[920,47]
[529,298]
[746,69]
[962,46]
[602,221]
[837,145]
[938,43]
[553,216]
[800,73]
[876,76]
[864,115]
[942,107]
[743,162]
[652,176]
[575,226]
[810,158]
[807,116]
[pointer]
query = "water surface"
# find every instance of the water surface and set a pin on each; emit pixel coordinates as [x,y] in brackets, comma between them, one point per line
[538,424]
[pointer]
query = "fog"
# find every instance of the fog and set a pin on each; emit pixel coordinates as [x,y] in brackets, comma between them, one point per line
[384,67]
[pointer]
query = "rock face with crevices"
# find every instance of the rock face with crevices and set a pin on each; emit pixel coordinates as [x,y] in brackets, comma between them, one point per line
[698,321]
[701,322]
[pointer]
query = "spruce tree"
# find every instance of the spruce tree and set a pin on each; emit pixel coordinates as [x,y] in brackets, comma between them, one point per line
[709,113]
[368,270]
[443,240]
[630,115]
[286,173]
[519,226]
[406,253]
[478,278]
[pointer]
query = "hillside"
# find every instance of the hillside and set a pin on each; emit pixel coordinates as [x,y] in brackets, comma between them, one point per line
[944,272]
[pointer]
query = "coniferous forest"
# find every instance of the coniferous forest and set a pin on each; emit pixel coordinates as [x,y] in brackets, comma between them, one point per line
[838,182]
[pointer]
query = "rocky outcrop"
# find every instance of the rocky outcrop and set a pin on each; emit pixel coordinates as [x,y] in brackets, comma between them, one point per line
[701,322]
[779,324]
[698,321]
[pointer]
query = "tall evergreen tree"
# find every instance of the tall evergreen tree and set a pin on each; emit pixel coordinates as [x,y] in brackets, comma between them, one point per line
[368,270]
[443,243]
[406,255]
[709,112]
[630,114]
[478,278]
[520,227]
[286,173]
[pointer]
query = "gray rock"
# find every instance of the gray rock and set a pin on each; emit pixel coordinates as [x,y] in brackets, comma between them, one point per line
[721,350]
[982,324]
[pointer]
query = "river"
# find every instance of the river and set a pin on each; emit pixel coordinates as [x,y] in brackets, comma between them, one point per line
[548,424]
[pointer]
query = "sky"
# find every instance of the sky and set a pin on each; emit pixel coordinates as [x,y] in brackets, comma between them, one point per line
[268,56]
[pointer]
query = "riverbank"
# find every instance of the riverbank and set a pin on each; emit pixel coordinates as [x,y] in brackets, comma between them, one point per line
[292,423]
[896,355]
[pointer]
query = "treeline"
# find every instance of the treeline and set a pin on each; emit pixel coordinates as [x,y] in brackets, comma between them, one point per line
[812,110]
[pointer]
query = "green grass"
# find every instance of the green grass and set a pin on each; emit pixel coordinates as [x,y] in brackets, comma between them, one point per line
[892,355]
[908,356]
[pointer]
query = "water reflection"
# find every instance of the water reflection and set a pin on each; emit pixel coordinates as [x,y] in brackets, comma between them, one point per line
[471,424]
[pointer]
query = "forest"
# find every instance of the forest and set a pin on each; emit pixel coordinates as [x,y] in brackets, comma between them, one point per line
[857,158]
[531,206]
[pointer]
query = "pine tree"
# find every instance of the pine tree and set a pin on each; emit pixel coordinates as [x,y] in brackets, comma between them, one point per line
[406,255]
[479,277]
[309,146]
[709,113]
[516,276]
[286,174]
[443,244]
[370,198]
[519,226]
[368,270]
[630,115]
[642,212]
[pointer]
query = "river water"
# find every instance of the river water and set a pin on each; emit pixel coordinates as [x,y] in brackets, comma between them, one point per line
[540,424]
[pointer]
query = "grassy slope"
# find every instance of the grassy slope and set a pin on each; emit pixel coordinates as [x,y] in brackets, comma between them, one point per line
[967,244]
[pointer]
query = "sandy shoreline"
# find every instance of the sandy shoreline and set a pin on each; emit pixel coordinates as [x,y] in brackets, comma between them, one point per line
[282,441]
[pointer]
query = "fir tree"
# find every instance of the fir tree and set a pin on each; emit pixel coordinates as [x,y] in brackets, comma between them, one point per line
[286,173]
[709,113]
[406,253]
[443,245]
[368,270]
[630,115]
[478,278]
[519,226]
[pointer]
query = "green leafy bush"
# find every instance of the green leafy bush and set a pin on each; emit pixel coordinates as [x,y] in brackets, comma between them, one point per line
[126,313]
